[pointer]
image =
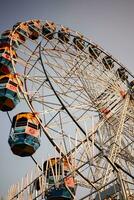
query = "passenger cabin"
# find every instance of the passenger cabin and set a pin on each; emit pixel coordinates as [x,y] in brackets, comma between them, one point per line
[79,43]
[34,29]
[121,72]
[24,137]
[64,35]
[94,51]
[108,62]
[48,30]
[21,28]
[9,92]
[11,38]
[131,87]
[58,170]
[7,54]
[132,84]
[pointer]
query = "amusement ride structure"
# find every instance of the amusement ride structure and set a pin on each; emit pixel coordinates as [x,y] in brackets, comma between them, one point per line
[81,100]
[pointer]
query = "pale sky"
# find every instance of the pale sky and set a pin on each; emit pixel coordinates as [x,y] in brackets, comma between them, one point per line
[110,23]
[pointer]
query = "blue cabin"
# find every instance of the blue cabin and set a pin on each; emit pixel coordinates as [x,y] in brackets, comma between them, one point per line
[59,168]
[9,92]
[48,30]
[64,35]
[24,138]
[108,62]
[60,193]
[6,56]
[34,29]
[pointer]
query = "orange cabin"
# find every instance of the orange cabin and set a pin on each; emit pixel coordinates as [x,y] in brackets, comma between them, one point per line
[64,35]
[79,43]
[48,30]
[34,29]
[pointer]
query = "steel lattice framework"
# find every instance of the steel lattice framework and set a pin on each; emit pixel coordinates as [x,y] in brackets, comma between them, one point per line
[86,110]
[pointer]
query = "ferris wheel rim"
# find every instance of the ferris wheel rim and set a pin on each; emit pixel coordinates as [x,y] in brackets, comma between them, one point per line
[86,41]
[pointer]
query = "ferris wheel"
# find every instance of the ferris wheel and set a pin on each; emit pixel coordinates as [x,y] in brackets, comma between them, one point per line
[80,100]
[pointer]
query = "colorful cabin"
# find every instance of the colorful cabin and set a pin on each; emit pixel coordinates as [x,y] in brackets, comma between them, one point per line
[108,62]
[9,36]
[48,30]
[24,137]
[17,39]
[21,28]
[94,51]
[5,39]
[59,169]
[132,84]
[34,28]
[6,55]
[9,92]
[78,42]
[121,72]
[64,35]
[131,89]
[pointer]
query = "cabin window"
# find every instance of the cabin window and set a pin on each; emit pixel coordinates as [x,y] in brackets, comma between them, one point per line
[13,83]
[54,169]
[21,122]
[32,125]
[1,50]
[4,80]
